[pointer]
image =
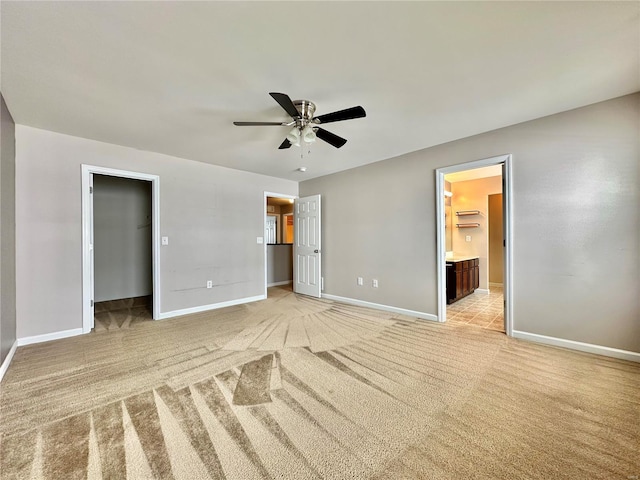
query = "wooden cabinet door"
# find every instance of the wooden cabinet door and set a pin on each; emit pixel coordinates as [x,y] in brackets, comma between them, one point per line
[466,284]
[476,277]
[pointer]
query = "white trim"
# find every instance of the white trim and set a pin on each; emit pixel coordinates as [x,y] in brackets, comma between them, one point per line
[508,216]
[7,360]
[277,284]
[213,306]
[47,337]
[441,248]
[482,291]
[378,306]
[87,214]
[495,284]
[508,289]
[580,346]
[264,229]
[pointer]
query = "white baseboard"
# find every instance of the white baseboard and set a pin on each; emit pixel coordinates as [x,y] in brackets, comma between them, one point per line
[277,284]
[494,284]
[49,336]
[377,306]
[213,306]
[583,347]
[7,360]
[482,291]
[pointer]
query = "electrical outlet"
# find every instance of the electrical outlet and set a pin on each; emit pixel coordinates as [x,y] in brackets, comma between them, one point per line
[468,238]
[360,281]
[374,283]
[209,283]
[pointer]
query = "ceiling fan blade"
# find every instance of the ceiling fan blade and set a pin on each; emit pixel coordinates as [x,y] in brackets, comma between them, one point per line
[329,137]
[346,114]
[260,124]
[286,103]
[285,144]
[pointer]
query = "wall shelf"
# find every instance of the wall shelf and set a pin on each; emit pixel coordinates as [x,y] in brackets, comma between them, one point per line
[462,213]
[467,225]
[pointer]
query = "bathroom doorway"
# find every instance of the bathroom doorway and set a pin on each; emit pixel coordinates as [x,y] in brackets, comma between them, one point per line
[474,242]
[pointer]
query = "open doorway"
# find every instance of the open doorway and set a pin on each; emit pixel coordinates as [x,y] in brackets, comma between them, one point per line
[472,247]
[278,239]
[474,243]
[136,241]
[122,246]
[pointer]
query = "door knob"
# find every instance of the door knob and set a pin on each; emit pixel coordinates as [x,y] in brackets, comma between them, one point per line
[316,251]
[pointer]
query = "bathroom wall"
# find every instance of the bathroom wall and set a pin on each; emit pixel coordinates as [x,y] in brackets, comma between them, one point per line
[473,195]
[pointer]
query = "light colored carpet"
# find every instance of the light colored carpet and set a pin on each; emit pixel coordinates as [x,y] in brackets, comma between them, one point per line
[299,388]
[117,314]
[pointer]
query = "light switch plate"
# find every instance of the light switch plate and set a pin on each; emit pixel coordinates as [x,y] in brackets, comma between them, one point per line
[260,240]
[165,240]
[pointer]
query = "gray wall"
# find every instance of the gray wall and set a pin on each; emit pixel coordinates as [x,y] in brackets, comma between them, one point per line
[7,232]
[279,263]
[576,200]
[122,238]
[212,216]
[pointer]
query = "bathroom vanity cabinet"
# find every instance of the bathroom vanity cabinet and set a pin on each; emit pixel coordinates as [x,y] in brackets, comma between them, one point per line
[463,277]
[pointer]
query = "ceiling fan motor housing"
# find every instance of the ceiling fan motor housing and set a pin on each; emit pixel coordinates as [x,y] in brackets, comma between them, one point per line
[306,110]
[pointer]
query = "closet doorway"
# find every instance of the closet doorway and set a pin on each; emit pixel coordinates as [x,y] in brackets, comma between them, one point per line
[120,247]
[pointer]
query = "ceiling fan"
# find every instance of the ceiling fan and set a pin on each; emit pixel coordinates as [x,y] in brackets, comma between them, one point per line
[305,125]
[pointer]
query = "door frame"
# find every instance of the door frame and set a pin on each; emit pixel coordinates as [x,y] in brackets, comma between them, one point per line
[264,227]
[507,191]
[88,274]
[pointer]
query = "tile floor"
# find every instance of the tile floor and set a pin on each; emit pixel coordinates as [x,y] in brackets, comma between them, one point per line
[486,311]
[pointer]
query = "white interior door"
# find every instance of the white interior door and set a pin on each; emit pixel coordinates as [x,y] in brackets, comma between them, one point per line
[270,229]
[306,246]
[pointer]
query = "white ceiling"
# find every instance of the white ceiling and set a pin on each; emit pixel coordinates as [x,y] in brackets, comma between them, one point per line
[171,77]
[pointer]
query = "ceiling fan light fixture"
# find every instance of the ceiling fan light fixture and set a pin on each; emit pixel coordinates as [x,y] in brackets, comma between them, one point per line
[308,135]
[294,136]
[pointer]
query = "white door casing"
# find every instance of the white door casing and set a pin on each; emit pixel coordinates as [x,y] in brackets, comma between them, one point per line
[264,206]
[87,237]
[307,246]
[505,161]
[92,282]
